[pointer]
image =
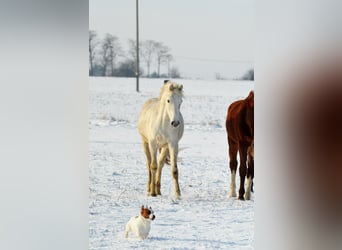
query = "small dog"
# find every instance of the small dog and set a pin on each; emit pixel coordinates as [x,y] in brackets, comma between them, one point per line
[140,224]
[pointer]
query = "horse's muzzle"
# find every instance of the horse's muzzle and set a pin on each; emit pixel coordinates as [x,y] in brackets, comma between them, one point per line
[175,124]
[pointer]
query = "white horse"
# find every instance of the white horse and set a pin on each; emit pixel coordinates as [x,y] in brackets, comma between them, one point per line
[161,126]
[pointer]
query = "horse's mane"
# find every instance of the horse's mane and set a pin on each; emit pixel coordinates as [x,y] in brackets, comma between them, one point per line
[171,86]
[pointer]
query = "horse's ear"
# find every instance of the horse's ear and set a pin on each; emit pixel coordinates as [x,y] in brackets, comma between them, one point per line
[142,207]
[166,81]
[251,99]
[180,88]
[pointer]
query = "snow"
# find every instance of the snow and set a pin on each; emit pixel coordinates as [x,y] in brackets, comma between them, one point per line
[205,217]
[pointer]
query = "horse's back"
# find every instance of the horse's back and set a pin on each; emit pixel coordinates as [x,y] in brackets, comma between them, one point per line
[235,110]
[149,104]
[146,115]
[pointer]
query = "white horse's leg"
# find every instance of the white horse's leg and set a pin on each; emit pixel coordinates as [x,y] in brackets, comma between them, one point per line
[248,189]
[148,165]
[174,169]
[153,167]
[161,161]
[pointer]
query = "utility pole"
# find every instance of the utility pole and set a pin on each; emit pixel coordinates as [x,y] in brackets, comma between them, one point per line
[137,44]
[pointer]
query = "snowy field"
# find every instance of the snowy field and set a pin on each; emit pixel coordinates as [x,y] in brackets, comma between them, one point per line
[205,217]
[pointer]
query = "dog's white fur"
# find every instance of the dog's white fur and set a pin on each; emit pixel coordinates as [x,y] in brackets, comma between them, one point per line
[139,225]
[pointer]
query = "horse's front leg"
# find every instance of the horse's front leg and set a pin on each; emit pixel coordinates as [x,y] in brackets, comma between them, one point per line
[148,165]
[164,152]
[173,148]
[153,167]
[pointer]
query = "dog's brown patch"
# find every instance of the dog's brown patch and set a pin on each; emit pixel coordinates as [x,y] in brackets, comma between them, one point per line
[145,212]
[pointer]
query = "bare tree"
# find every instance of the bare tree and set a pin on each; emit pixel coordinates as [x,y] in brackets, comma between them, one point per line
[111,50]
[168,58]
[249,75]
[93,42]
[132,50]
[148,49]
[161,54]
[174,72]
[132,55]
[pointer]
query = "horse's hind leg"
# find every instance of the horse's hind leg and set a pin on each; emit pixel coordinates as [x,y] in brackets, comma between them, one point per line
[164,152]
[233,167]
[250,176]
[242,169]
[148,164]
[174,169]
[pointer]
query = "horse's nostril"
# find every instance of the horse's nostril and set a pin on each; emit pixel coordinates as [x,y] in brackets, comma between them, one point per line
[174,123]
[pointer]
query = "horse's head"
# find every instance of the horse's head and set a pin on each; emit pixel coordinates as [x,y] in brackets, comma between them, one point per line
[171,96]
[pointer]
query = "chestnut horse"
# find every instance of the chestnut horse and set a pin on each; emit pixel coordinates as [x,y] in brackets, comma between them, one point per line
[240,133]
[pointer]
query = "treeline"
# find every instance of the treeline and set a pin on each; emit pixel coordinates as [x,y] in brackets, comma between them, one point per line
[249,75]
[108,58]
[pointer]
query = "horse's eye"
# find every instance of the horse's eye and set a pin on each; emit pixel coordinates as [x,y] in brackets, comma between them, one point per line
[168,100]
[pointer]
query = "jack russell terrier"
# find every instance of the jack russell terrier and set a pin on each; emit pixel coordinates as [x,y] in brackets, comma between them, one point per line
[140,224]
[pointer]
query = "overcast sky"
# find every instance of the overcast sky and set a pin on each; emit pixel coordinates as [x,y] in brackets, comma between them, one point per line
[206,36]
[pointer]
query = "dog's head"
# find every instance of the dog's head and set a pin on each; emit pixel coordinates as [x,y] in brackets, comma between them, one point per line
[147,213]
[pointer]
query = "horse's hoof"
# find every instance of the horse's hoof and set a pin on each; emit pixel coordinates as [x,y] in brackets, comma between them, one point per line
[232,195]
[241,198]
[154,195]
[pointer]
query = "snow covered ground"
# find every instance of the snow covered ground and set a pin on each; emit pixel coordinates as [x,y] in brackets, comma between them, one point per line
[205,217]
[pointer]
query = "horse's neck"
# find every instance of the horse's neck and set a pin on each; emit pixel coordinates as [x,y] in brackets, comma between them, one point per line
[162,114]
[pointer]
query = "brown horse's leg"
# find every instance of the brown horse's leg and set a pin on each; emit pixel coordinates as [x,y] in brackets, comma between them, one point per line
[161,161]
[242,169]
[153,167]
[233,166]
[148,164]
[250,176]
[173,149]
